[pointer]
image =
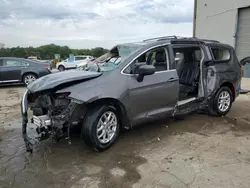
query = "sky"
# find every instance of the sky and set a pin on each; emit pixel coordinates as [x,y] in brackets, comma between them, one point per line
[92,23]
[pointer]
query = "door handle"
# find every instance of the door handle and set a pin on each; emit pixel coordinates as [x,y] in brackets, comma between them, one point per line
[23,67]
[173,79]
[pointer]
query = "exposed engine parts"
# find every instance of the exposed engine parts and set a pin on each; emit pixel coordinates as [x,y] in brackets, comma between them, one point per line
[52,117]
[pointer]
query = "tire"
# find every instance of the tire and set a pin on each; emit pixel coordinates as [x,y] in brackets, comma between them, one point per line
[61,68]
[91,123]
[29,78]
[215,107]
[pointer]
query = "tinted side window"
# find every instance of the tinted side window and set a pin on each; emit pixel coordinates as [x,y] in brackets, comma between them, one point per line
[1,62]
[9,62]
[156,57]
[220,53]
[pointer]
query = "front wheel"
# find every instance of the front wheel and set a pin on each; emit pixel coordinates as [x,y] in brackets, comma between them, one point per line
[101,127]
[221,103]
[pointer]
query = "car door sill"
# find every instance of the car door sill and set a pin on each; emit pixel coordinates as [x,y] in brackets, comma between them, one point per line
[180,103]
[8,81]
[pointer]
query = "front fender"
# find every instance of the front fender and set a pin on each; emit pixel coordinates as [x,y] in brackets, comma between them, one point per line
[89,95]
[92,90]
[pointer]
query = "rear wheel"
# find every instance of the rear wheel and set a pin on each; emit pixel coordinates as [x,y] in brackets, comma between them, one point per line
[29,78]
[61,68]
[221,103]
[101,127]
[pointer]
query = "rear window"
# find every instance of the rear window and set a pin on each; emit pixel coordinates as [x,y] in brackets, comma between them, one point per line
[221,54]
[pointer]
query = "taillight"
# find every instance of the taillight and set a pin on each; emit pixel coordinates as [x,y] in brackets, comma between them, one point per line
[46,67]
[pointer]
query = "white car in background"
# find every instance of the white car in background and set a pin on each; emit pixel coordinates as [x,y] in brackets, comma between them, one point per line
[98,60]
[72,62]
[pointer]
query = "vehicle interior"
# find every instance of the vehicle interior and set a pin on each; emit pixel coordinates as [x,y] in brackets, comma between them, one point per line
[188,60]
[156,57]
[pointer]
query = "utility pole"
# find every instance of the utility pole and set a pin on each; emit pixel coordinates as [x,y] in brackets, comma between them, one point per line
[194,20]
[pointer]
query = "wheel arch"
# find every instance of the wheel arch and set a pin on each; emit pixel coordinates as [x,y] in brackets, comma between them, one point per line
[30,72]
[231,87]
[125,122]
[61,65]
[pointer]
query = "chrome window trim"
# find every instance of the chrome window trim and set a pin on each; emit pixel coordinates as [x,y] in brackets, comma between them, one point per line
[160,45]
[172,70]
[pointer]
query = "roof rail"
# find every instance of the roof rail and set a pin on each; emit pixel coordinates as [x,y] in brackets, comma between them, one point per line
[179,38]
[161,38]
[201,40]
[193,40]
[207,40]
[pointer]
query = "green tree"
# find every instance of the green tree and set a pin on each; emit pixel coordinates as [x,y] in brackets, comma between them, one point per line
[48,51]
[97,52]
[18,52]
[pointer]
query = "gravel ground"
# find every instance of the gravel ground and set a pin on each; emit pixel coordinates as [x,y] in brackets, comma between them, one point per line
[200,151]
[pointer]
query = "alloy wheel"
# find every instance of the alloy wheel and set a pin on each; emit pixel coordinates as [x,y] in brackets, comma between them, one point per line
[29,79]
[224,101]
[106,127]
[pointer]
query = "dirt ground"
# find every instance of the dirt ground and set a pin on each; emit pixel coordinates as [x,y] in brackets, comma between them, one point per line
[200,151]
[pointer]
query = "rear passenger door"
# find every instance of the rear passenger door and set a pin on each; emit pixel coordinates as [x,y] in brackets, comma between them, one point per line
[157,95]
[11,70]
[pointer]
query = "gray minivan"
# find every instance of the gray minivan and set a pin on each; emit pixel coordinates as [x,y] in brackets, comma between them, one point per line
[137,83]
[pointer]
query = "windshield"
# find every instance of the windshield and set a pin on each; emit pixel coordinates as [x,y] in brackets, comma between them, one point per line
[112,59]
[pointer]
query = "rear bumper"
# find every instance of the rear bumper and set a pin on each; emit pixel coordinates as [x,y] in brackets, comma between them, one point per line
[44,73]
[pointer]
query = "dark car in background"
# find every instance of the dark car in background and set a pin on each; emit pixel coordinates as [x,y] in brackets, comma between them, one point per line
[19,70]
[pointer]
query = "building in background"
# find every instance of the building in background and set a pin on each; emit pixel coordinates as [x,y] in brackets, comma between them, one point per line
[227,21]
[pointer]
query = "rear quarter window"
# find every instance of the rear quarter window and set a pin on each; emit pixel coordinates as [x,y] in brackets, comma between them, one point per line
[25,63]
[220,53]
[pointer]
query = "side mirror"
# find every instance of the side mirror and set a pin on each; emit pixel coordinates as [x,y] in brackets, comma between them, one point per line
[245,60]
[145,70]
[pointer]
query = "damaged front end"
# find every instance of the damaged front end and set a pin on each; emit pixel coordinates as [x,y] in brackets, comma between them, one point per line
[52,114]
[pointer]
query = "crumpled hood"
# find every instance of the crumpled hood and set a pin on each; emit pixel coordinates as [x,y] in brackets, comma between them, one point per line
[56,79]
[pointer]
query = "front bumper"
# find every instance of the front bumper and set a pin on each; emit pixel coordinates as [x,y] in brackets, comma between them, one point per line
[41,122]
[56,124]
